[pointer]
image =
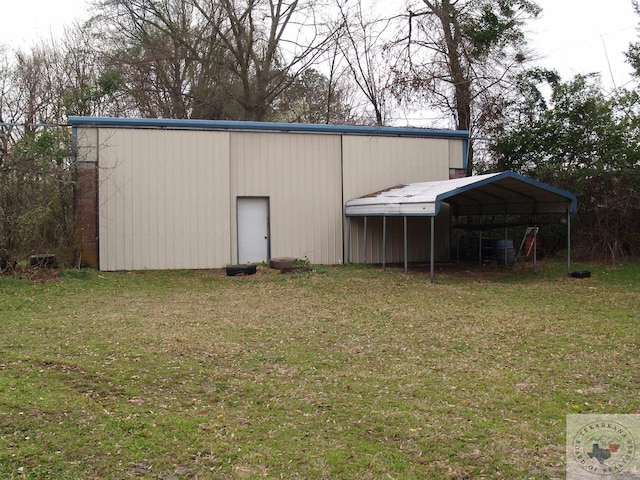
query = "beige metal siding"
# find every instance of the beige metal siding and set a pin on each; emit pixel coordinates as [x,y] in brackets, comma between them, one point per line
[163,199]
[372,164]
[418,235]
[456,153]
[375,163]
[301,176]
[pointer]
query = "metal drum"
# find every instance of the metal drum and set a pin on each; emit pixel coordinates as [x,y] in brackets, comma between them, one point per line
[504,253]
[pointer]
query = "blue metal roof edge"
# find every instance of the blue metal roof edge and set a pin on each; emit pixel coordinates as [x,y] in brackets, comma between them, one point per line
[191,124]
[465,153]
[509,174]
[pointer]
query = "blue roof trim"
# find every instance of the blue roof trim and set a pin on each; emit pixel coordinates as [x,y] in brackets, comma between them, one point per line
[508,174]
[465,153]
[188,124]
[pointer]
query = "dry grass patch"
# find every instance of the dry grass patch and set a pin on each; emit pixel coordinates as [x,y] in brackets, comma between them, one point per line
[342,372]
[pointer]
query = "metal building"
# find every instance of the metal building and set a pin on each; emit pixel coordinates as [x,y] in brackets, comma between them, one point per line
[167,194]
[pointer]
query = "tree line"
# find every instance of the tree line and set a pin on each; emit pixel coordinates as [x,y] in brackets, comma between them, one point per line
[466,62]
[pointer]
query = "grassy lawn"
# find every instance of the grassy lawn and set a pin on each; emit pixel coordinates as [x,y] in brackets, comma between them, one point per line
[340,373]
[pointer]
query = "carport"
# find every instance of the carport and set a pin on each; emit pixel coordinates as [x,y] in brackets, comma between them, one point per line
[506,193]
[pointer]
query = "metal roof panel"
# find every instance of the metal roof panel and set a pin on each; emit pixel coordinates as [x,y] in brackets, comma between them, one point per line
[505,192]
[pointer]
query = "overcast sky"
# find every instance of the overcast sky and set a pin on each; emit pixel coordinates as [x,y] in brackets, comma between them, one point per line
[584,36]
[573,36]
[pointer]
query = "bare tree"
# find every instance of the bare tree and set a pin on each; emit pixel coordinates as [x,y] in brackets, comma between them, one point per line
[7,113]
[314,98]
[84,84]
[362,44]
[160,53]
[211,59]
[459,52]
[270,42]
[33,86]
[36,171]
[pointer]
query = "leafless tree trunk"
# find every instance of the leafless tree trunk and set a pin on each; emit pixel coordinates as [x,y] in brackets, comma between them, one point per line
[459,53]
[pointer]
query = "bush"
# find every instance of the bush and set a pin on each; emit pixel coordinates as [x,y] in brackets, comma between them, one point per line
[36,198]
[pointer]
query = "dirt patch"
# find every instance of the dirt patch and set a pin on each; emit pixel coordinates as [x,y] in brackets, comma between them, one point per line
[469,271]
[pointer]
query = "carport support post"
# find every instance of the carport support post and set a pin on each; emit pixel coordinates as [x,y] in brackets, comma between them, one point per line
[457,240]
[432,247]
[506,235]
[535,248]
[384,242]
[349,242]
[365,240]
[406,255]
[568,240]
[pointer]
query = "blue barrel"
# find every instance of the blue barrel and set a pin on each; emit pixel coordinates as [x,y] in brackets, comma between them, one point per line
[504,251]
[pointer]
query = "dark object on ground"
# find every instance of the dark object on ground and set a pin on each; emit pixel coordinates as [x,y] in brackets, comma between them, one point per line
[279,263]
[581,274]
[6,265]
[43,260]
[247,269]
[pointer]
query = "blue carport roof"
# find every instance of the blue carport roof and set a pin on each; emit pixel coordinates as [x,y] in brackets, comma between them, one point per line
[494,193]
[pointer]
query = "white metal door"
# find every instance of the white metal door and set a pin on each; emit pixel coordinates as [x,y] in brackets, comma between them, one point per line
[253,229]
